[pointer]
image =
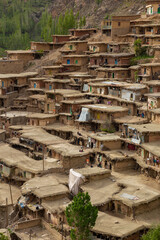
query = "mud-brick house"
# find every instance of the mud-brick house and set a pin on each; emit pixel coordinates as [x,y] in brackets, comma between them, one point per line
[119,122]
[15,82]
[70,156]
[97,47]
[54,98]
[2,135]
[152,30]
[103,141]
[66,118]
[14,131]
[75,47]
[132,202]
[122,90]
[74,106]
[137,25]
[34,91]
[75,62]
[142,133]
[136,135]
[152,7]
[60,38]
[155,115]
[7,100]
[134,230]
[106,26]
[104,88]
[148,159]
[51,84]
[46,197]
[152,40]
[149,71]
[153,100]
[156,50]
[60,130]
[82,32]
[114,98]
[98,177]
[93,174]
[101,192]
[118,25]
[63,75]
[41,119]
[149,27]
[5,193]
[36,103]
[37,83]
[51,70]
[153,86]
[71,108]
[96,60]
[111,59]
[24,55]
[86,82]
[42,46]
[19,104]
[117,160]
[55,210]
[116,47]
[13,118]
[134,72]
[79,77]
[118,59]
[98,87]
[101,116]
[112,88]
[32,140]
[149,152]
[131,38]
[18,167]
[36,86]
[133,92]
[11,66]
[78,81]
[113,73]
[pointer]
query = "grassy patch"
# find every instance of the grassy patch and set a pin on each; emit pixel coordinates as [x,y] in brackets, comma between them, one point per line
[135,60]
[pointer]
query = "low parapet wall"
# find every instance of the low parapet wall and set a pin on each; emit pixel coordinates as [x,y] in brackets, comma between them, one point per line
[28,224]
[38,222]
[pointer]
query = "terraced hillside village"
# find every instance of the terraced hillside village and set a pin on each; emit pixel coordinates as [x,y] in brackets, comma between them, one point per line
[80,113]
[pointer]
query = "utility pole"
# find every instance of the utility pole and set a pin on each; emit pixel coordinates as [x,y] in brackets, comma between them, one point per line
[62,229]
[44,156]
[11,193]
[43,161]
[6,212]
[62,222]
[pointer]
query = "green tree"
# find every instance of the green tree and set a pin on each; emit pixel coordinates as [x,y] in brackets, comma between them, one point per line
[3,237]
[152,234]
[139,50]
[81,216]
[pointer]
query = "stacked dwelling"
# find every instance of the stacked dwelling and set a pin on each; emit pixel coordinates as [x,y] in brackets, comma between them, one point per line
[88,112]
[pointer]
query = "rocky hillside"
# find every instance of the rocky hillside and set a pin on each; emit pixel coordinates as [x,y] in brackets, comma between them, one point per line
[96,10]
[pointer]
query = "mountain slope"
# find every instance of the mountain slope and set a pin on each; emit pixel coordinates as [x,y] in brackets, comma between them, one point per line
[96,10]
